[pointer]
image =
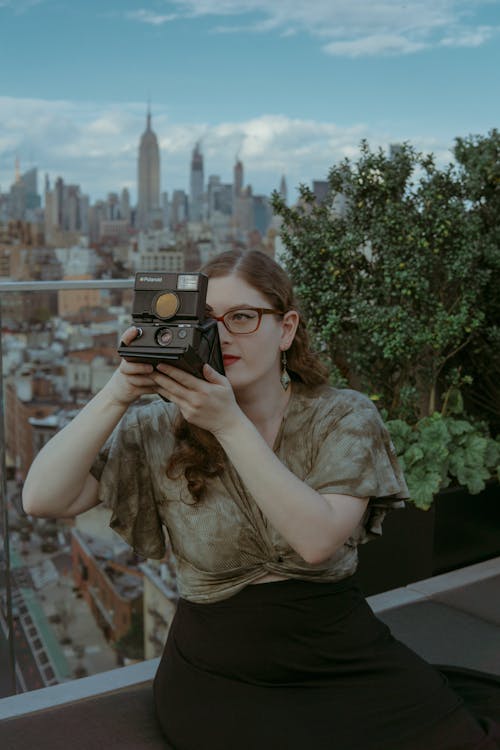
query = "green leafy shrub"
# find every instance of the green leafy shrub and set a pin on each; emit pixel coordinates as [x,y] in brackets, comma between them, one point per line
[397,272]
[439,451]
[478,157]
[391,271]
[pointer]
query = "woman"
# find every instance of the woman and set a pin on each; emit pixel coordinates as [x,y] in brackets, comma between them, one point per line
[263,476]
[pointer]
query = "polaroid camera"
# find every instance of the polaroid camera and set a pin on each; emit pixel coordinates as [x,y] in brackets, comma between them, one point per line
[169,310]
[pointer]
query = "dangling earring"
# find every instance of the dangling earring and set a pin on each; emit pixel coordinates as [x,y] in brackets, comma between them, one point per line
[285,377]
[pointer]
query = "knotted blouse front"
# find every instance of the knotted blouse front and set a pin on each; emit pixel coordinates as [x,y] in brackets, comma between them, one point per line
[332,439]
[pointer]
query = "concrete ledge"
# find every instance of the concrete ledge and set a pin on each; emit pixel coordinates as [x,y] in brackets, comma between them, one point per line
[418,595]
[113,721]
[446,635]
[78,690]
[429,587]
[394,599]
[457,578]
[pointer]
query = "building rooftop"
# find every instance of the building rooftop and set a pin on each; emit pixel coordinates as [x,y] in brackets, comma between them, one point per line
[125,579]
[452,619]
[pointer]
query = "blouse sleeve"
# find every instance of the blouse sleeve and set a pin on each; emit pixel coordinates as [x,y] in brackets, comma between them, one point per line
[356,457]
[125,487]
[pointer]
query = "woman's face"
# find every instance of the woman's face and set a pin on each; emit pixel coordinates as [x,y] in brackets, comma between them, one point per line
[253,358]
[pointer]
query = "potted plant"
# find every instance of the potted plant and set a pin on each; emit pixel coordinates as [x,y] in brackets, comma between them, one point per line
[452,466]
[445,449]
[392,272]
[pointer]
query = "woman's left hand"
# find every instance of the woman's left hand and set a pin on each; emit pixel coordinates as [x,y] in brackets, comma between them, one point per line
[209,404]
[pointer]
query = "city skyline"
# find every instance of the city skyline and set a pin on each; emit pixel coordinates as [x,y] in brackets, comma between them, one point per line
[289,89]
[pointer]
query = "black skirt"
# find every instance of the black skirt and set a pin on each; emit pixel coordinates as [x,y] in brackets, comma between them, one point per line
[289,665]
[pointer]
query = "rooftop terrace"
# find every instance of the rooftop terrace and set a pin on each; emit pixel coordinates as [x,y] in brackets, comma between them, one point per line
[451,619]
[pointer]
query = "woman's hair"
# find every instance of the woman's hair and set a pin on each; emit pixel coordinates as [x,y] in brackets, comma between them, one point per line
[197,451]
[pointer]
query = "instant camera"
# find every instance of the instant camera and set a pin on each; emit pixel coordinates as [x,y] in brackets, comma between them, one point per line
[169,310]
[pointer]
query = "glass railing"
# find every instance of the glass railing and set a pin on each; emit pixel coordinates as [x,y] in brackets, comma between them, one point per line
[74,599]
[66,624]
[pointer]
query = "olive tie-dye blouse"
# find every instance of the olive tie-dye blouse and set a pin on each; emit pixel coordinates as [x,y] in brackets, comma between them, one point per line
[333,440]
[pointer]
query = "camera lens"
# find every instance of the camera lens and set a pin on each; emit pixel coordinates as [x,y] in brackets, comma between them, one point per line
[164,337]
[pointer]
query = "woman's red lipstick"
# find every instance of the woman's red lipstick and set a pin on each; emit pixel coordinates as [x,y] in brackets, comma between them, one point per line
[229,359]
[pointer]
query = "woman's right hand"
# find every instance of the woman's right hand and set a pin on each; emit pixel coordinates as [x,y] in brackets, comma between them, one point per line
[131,379]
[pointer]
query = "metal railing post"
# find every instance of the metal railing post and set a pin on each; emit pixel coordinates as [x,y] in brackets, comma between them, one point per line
[5,525]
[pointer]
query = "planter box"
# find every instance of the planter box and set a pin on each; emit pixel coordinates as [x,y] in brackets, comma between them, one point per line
[403,553]
[460,529]
[466,528]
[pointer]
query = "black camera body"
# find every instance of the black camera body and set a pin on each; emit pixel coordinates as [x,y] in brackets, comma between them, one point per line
[169,310]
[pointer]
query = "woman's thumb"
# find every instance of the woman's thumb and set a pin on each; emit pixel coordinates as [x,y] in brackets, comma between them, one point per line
[212,375]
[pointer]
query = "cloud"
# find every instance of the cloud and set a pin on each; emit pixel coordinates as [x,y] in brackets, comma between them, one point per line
[149,17]
[19,6]
[469,37]
[378,44]
[96,146]
[364,28]
[345,28]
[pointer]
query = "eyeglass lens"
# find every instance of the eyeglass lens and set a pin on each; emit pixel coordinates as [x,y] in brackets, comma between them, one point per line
[242,321]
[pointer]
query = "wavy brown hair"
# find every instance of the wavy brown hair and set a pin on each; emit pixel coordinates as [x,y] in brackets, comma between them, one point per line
[197,453]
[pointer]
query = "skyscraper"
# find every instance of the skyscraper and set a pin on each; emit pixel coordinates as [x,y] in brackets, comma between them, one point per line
[178,209]
[148,177]
[238,178]
[30,182]
[23,197]
[283,191]
[197,185]
[125,205]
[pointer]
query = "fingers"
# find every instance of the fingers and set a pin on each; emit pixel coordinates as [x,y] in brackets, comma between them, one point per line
[176,385]
[190,381]
[179,376]
[170,388]
[137,376]
[135,368]
[207,403]
[140,382]
[130,381]
[212,375]
[129,335]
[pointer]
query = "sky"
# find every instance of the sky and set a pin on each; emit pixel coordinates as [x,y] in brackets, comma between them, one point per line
[290,87]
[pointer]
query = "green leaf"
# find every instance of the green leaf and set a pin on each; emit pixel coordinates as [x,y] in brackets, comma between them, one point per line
[434,437]
[423,485]
[475,450]
[473,478]
[456,461]
[458,426]
[413,455]
[401,434]
[492,454]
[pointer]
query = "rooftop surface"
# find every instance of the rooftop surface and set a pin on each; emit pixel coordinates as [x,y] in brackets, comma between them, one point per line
[452,619]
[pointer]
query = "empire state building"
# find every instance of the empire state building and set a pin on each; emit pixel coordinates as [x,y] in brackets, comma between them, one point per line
[148,178]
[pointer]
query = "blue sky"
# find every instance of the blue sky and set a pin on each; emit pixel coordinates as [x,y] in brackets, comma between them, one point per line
[291,85]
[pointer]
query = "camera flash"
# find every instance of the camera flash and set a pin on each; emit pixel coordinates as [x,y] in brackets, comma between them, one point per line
[187,282]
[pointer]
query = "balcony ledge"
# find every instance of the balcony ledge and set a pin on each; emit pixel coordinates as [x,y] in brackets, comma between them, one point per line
[452,619]
[78,690]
